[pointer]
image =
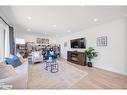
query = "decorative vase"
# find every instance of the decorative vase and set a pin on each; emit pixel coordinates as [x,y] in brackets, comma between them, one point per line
[89,63]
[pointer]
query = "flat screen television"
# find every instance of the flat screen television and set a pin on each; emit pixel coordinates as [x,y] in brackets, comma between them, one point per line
[78,43]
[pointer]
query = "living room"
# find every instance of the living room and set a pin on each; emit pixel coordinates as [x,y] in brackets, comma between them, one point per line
[64,29]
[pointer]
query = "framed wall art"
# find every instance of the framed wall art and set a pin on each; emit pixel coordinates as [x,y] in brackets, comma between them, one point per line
[42,41]
[39,40]
[102,41]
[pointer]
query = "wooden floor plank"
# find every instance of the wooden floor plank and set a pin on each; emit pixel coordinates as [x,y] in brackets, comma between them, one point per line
[99,79]
[95,79]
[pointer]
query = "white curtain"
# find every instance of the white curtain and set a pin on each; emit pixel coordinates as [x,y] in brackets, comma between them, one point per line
[6,44]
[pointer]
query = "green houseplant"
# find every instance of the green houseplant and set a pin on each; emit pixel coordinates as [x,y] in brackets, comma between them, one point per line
[90,54]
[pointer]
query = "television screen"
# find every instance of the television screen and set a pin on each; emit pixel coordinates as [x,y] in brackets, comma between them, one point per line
[78,43]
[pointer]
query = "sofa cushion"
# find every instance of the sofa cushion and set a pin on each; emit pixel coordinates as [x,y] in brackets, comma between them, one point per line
[6,71]
[14,61]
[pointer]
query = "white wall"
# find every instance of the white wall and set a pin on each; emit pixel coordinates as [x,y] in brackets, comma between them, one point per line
[30,37]
[110,58]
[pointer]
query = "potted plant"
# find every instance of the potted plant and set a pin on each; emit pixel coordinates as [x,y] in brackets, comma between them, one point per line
[90,54]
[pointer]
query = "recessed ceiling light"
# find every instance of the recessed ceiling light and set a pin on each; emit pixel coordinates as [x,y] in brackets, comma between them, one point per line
[69,31]
[95,19]
[29,17]
[28,29]
[54,25]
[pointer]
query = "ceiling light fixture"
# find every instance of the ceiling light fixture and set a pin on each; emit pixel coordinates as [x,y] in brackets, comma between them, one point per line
[95,19]
[29,17]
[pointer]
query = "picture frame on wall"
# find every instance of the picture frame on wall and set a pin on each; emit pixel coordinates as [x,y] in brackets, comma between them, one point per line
[42,41]
[102,41]
[39,40]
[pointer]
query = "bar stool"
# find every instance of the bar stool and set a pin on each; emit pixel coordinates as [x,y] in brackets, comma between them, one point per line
[53,64]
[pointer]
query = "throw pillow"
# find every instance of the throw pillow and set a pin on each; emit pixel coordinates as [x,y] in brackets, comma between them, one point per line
[14,61]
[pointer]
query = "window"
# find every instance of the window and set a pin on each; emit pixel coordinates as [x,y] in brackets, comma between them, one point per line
[4,40]
[20,41]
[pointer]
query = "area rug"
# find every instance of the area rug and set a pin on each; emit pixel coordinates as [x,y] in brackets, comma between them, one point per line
[67,76]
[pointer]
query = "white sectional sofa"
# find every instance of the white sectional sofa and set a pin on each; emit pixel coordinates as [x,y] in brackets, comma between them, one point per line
[19,80]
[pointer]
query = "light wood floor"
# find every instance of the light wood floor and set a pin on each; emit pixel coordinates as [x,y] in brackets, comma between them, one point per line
[99,79]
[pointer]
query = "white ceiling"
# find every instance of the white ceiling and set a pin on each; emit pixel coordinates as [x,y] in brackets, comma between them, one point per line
[59,20]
